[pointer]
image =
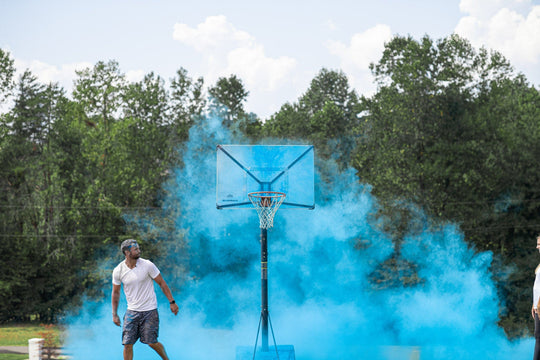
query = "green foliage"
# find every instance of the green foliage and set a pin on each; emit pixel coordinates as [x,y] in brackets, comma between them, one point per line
[30,202]
[228,96]
[99,91]
[7,71]
[187,96]
[227,99]
[51,340]
[422,139]
[454,131]
[187,104]
[324,116]
[395,272]
[70,172]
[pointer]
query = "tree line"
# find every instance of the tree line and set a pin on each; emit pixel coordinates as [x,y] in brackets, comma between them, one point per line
[451,132]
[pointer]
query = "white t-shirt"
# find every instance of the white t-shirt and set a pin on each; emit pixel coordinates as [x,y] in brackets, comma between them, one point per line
[138,284]
[536,287]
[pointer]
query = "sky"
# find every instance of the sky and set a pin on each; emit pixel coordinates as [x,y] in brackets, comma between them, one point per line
[275,47]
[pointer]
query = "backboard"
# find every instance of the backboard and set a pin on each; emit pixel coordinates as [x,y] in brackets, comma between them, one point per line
[242,169]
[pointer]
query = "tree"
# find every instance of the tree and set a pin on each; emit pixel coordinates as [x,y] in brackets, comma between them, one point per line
[187,104]
[72,173]
[326,115]
[100,91]
[143,150]
[146,101]
[421,129]
[227,99]
[329,86]
[40,268]
[450,132]
[187,98]
[7,71]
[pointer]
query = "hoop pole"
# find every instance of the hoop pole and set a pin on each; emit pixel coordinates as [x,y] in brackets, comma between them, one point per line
[257,338]
[264,289]
[266,203]
[273,337]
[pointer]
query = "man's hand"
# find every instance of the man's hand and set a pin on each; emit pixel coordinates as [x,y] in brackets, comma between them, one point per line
[116,319]
[174,308]
[115,298]
[167,292]
[533,311]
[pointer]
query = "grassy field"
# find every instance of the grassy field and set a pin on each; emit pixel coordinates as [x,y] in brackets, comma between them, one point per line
[19,334]
[13,356]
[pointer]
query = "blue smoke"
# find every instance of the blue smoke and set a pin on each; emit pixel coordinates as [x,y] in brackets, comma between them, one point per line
[322,298]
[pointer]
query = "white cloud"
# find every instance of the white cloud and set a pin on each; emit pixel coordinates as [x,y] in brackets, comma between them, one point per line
[331,25]
[135,75]
[215,33]
[509,26]
[47,73]
[257,69]
[486,9]
[363,49]
[64,74]
[227,50]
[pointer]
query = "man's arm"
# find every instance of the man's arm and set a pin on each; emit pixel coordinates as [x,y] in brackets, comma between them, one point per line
[115,299]
[165,288]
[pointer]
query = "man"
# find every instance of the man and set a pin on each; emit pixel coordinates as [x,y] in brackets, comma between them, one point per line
[535,310]
[141,320]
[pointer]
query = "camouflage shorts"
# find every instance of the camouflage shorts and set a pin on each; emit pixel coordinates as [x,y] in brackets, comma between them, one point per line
[142,325]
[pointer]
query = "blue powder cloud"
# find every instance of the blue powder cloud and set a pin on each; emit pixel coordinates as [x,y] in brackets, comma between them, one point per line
[320,296]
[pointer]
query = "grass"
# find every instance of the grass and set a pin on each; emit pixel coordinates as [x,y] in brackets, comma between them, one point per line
[13,356]
[19,334]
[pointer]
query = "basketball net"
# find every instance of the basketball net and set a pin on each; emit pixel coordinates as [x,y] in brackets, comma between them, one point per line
[266,203]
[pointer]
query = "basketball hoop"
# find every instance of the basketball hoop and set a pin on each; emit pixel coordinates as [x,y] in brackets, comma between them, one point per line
[266,203]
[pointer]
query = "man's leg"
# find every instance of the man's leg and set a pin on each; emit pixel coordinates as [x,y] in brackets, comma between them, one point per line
[160,349]
[128,352]
[130,332]
[150,332]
